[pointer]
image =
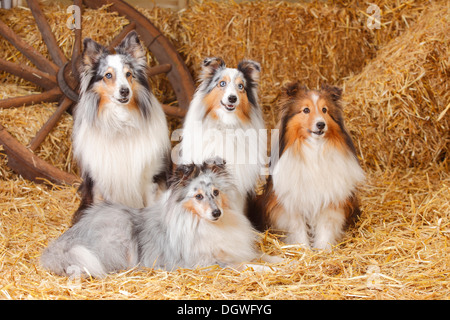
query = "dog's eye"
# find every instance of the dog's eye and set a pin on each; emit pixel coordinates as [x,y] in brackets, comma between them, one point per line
[108,75]
[222,83]
[306,110]
[128,74]
[240,86]
[324,110]
[216,193]
[199,196]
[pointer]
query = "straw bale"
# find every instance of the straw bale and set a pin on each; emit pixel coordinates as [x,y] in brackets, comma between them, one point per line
[313,42]
[317,42]
[398,104]
[399,248]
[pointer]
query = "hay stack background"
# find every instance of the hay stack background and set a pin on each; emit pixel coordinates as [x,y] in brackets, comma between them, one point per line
[397,107]
[406,97]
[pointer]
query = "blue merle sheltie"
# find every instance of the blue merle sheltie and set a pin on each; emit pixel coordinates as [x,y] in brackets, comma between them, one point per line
[225,120]
[195,223]
[311,194]
[120,134]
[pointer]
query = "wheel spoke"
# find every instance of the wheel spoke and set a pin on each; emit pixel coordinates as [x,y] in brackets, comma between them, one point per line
[42,79]
[28,51]
[55,52]
[174,111]
[76,52]
[47,96]
[50,124]
[162,68]
[30,166]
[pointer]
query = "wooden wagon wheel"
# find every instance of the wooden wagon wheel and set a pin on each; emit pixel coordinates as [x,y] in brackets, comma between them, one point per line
[59,80]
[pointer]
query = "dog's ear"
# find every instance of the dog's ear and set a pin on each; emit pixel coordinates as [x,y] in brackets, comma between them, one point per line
[214,63]
[290,92]
[335,93]
[293,89]
[210,67]
[180,174]
[216,165]
[132,46]
[251,70]
[92,53]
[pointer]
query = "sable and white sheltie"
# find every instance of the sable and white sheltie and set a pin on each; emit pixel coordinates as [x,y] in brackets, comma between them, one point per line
[195,223]
[120,134]
[225,120]
[311,194]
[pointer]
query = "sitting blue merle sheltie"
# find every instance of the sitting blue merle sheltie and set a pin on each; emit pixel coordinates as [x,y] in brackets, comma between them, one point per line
[120,134]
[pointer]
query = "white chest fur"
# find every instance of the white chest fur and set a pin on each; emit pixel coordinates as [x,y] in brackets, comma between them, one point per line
[123,154]
[242,146]
[319,177]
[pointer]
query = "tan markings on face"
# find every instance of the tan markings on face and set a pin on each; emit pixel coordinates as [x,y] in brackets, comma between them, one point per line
[135,87]
[244,107]
[128,75]
[197,206]
[305,119]
[297,127]
[333,134]
[212,102]
[224,78]
[213,98]
[222,200]
[190,205]
[105,88]
[109,78]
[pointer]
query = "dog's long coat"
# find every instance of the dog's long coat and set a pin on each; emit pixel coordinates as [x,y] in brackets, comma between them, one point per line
[195,223]
[225,120]
[120,135]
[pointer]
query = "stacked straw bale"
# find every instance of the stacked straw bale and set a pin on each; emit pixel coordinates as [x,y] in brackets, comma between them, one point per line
[319,42]
[396,104]
[399,103]
[313,42]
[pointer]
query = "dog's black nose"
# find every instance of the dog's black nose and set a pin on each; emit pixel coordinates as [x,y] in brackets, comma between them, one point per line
[124,92]
[216,213]
[232,99]
[320,125]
